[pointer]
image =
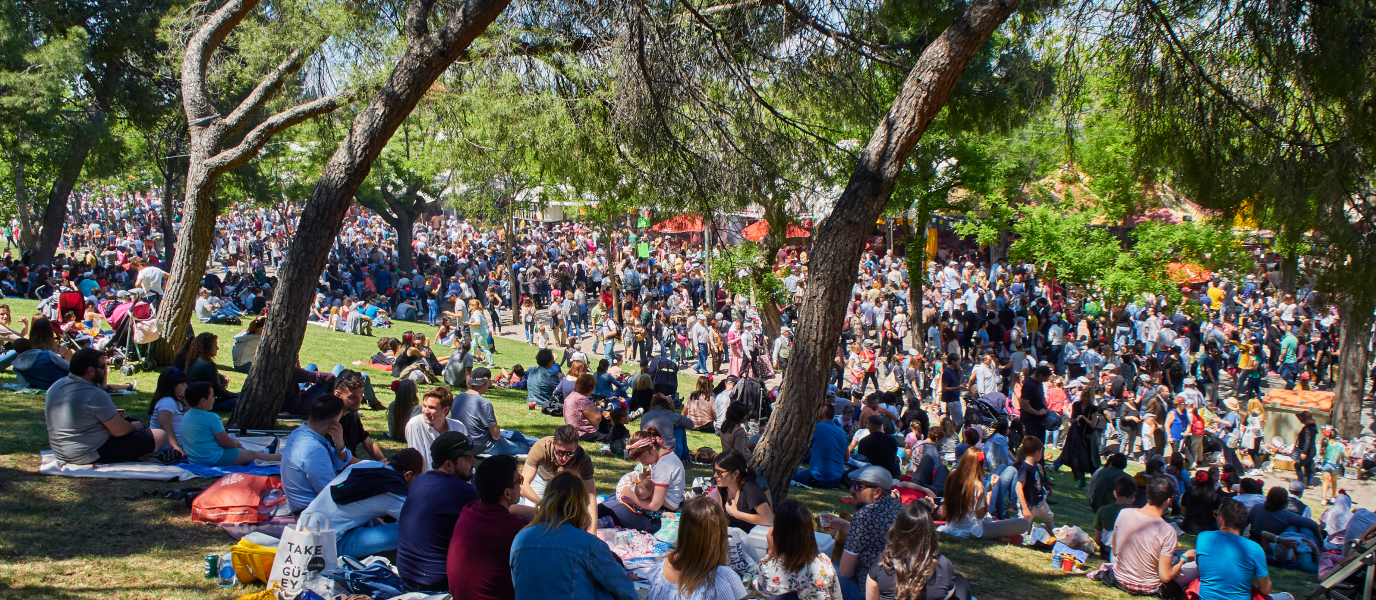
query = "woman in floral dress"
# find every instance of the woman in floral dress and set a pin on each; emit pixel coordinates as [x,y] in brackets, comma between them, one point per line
[794,564]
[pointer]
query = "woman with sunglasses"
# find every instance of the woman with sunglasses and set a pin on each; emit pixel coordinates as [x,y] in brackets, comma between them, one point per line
[745,503]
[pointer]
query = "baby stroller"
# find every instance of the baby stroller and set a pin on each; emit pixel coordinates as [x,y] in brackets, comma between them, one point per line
[58,305]
[987,409]
[135,329]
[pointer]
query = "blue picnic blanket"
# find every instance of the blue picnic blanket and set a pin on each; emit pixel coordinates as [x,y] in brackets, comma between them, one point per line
[205,471]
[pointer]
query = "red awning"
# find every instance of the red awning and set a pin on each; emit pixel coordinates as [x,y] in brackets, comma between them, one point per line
[756,231]
[1187,273]
[679,224]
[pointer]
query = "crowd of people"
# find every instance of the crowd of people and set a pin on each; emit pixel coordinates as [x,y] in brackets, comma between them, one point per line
[945,402]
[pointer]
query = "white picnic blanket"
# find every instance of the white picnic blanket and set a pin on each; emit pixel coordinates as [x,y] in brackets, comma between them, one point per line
[131,470]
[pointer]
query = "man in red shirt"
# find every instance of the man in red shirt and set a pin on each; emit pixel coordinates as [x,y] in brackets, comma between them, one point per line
[478,564]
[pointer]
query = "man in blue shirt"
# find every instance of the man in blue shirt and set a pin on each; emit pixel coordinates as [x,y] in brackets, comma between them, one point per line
[827,459]
[436,499]
[315,453]
[541,380]
[1228,562]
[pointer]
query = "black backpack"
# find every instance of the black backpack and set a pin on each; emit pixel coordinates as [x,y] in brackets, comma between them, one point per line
[749,392]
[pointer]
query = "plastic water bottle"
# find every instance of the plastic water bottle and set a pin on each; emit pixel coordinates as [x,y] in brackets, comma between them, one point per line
[226,577]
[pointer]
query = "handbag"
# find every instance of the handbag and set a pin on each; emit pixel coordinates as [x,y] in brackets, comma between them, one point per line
[1052,420]
[307,551]
[373,578]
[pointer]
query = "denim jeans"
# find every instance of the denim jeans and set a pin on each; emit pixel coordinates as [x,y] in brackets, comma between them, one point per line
[804,476]
[365,541]
[7,359]
[1288,372]
[1003,491]
[434,311]
[517,443]
[702,358]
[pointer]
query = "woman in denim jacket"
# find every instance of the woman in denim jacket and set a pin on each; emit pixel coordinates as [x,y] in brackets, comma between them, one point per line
[555,557]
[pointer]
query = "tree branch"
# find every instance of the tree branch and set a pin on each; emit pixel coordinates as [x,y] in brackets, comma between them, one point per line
[265,90]
[418,19]
[230,158]
[199,51]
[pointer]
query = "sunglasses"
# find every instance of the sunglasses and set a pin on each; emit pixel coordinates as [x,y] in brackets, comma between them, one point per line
[564,454]
[857,486]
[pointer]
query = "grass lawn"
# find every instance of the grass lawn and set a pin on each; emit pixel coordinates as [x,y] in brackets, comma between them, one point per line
[64,538]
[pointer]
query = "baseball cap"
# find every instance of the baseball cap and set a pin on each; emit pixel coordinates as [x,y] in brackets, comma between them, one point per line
[874,475]
[1187,381]
[479,377]
[451,445]
[407,460]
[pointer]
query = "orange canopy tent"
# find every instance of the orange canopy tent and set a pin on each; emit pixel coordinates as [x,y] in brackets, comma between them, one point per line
[679,224]
[756,231]
[1187,273]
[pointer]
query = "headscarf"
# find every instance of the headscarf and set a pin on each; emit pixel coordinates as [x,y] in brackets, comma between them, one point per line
[1335,519]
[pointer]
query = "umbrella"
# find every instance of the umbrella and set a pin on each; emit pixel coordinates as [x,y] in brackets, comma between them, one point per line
[679,224]
[1187,273]
[756,231]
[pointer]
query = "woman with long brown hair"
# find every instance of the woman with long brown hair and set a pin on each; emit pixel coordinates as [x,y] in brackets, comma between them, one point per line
[701,406]
[794,564]
[200,366]
[556,552]
[965,504]
[696,569]
[912,567]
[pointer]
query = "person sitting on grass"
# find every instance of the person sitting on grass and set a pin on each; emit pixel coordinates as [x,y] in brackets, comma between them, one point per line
[169,406]
[794,563]
[826,459]
[541,380]
[432,422]
[1232,567]
[1144,561]
[348,387]
[745,503]
[911,565]
[1282,533]
[37,368]
[556,552]
[436,501]
[580,412]
[314,453]
[1124,492]
[697,566]
[84,427]
[200,366]
[479,417]
[876,511]
[965,504]
[360,495]
[478,564]
[207,442]
[246,344]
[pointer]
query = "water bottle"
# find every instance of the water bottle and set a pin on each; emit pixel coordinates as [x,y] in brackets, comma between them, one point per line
[226,577]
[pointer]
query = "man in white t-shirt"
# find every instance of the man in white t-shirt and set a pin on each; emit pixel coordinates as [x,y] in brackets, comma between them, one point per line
[150,280]
[983,378]
[1144,561]
[723,401]
[432,421]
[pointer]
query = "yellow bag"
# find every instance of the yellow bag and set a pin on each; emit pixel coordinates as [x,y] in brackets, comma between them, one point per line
[252,562]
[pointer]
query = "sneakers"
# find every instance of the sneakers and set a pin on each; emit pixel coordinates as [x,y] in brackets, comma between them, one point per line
[169,456]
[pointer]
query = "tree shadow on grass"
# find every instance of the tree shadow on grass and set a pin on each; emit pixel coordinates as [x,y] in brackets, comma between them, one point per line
[87,593]
[48,517]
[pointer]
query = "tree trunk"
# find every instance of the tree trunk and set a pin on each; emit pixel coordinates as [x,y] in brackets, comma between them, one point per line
[1289,272]
[788,436]
[27,236]
[169,183]
[427,56]
[1353,361]
[194,241]
[55,215]
[405,234]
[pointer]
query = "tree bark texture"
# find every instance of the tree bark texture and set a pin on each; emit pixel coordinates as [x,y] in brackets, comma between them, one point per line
[169,183]
[209,132]
[840,238]
[427,56]
[55,215]
[1353,361]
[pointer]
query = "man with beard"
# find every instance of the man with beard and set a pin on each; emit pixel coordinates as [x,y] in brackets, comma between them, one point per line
[84,427]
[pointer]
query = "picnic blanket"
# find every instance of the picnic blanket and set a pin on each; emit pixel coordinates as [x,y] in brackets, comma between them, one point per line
[158,472]
[134,470]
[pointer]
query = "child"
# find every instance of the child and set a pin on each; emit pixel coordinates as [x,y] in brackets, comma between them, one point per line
[620,433]
[1124,493]
[629,514]
[1031,488]
[204,437]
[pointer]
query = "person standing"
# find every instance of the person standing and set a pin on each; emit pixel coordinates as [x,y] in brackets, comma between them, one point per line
[1032,408]
[1305,447]
[951,386]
